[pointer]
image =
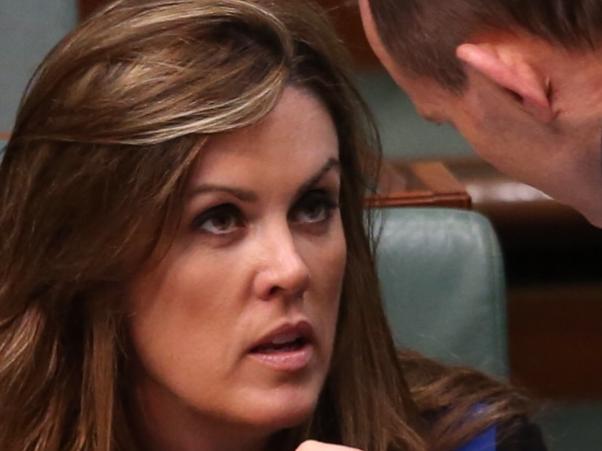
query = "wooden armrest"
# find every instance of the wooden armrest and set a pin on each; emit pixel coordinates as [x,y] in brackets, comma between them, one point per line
[426,184]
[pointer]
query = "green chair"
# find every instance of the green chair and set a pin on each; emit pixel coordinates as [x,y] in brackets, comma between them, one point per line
[443,287]
[442,280]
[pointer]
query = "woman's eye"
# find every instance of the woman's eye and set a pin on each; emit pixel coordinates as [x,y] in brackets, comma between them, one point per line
[314,207]
[219,220]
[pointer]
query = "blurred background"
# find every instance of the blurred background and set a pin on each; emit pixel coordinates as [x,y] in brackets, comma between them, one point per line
[552,256]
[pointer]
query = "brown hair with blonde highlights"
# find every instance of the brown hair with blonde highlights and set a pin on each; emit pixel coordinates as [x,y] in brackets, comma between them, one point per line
[92,185]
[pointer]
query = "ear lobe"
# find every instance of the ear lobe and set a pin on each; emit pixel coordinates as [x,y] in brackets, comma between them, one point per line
[512,73]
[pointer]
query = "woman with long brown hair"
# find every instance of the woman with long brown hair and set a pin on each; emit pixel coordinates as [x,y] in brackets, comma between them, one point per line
[184,259]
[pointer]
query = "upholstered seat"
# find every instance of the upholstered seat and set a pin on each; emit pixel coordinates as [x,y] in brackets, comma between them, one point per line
[442,279]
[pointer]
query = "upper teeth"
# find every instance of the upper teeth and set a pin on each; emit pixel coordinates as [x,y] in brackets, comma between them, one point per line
[285,338]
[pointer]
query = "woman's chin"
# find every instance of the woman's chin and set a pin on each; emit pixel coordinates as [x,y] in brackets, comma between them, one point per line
[284,416]
[276,411]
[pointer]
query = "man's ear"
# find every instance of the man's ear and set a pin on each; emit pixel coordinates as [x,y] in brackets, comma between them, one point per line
[510,71]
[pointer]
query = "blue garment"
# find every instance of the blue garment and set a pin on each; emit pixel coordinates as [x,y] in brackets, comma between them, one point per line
[484,442]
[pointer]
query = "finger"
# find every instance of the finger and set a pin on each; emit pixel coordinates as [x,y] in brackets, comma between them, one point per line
[312,445]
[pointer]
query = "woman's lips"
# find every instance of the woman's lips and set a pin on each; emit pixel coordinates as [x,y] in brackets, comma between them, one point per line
[286,348]
[291,359]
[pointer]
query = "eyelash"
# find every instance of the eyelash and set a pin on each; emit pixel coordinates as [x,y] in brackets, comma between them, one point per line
[320,199]
[232,218]
[229,212]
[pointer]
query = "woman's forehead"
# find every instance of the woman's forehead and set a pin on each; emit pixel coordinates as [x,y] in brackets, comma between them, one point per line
[299,133]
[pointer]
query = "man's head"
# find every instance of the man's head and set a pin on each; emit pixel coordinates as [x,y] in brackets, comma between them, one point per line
[521,80]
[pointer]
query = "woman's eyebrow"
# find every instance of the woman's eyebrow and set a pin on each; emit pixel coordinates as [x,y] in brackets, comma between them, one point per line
[250,196]
[332,163]
[241,194]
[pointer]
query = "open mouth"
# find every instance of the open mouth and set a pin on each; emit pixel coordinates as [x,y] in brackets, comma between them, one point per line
[287,346]
[289,349]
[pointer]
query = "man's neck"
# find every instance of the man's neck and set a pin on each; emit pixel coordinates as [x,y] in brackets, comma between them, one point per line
[576,78]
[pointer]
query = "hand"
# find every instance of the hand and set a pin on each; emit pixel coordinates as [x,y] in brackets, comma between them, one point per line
[312,445]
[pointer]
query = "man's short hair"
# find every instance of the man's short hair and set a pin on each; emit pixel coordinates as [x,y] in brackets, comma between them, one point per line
[423,35]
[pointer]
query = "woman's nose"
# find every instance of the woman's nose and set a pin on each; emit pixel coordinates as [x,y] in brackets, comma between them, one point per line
[283,272]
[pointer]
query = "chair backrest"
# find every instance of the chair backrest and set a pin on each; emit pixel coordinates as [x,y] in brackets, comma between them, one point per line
[442,280]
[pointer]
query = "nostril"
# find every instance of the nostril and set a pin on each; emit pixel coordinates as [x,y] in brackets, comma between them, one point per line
[293,295]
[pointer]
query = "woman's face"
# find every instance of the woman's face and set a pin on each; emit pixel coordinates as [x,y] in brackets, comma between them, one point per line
[235,326]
